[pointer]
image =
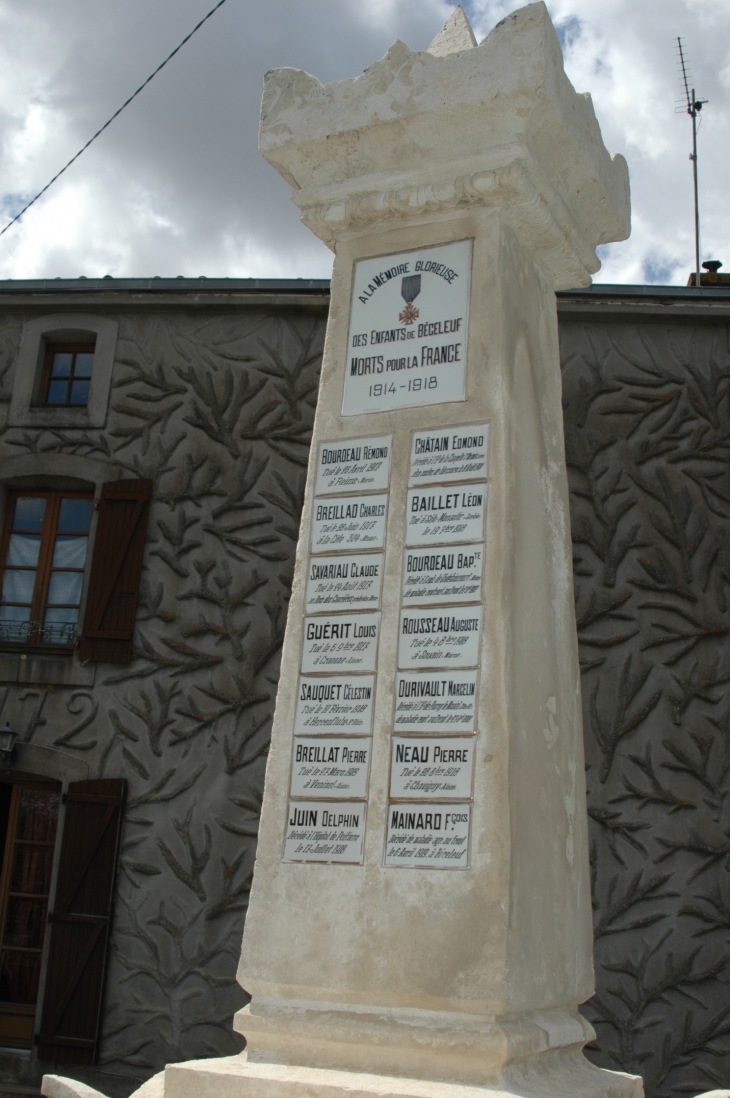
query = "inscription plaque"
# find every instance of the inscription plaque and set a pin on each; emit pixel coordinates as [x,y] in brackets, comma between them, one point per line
[435,702]
[333,768]
[353,463]
[344,583]
[448,636]
[446,516]
[335,703]
[428,836]
[320,832]
[439,768]
[408,332]
[450,454]
[443,575]
[341,642]
[352,522]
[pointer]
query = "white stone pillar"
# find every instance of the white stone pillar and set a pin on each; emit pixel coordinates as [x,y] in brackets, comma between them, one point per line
[420,920]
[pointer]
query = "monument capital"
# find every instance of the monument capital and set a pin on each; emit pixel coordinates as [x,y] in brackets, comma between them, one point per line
[420,135]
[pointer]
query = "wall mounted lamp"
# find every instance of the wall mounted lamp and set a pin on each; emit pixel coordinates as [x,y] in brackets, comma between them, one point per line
[7,745]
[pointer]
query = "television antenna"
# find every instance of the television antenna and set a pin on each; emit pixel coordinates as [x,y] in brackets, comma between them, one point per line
[692,105]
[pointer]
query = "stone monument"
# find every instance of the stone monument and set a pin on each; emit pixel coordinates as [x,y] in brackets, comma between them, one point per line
[420,921]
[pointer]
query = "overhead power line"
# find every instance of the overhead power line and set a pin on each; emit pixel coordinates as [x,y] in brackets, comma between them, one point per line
[116,114]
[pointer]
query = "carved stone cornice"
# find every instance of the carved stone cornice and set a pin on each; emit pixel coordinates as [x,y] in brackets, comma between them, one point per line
[534,208]
[416,135]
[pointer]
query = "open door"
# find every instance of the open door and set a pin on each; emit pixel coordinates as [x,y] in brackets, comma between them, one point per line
[81,920]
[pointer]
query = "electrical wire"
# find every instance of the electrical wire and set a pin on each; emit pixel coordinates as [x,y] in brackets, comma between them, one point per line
[116,114]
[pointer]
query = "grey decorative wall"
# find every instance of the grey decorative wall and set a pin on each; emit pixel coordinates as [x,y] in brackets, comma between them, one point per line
[217,408]
[647,413]
[216,405]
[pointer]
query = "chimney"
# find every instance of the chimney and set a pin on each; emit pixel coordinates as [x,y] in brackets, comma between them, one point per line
[711,278]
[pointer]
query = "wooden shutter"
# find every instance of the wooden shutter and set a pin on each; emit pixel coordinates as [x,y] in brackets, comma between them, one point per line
[81,920]
[111,605]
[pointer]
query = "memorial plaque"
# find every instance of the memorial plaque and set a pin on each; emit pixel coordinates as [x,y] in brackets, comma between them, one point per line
[344,583]
[442,575]
[408,330]
[353,464]
[438,768]
[335,704]
[428,836]
[446,516]
[341,642]
[448,637]
[352,522]
[450,454]
[321,832]
[328,767]
[435,702]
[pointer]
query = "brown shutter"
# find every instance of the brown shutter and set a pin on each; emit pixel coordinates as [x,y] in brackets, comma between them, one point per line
[81,920]
[111,605]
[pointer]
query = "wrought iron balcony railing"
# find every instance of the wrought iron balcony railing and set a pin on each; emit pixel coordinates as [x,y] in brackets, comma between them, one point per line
[36,632]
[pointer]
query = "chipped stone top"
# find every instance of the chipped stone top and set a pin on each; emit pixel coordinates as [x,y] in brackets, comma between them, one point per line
[496,124]
[456,34]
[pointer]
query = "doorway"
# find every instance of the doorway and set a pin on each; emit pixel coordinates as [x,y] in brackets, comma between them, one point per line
[28,826]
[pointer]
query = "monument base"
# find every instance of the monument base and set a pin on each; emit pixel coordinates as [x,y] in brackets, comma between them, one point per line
[405,1052]
[357,1052]
[446,1046]
[565,1074]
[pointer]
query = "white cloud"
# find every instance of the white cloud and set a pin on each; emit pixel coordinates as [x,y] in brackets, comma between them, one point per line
[176,185]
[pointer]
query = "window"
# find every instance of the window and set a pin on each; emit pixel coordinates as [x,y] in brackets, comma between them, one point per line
[28,821]
[67,374]
[29,406]
[43,553]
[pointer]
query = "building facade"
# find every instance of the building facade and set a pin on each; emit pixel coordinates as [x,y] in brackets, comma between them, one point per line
[646,388]
[153,448]
[154,436]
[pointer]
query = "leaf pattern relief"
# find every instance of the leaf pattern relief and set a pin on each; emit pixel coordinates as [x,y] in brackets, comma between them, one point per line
[647,425]
[217,409]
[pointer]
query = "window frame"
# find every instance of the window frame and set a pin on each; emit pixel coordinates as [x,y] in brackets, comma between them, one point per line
[71,347]
[67,327]
[35,643]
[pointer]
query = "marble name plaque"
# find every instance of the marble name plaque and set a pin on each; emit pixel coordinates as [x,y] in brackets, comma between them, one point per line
[434,702]
[450,454]
[442,575]
[341,642]
[436,768]
[340,704]
[428,836]
[352,522]
[353,464]
[446,516]
[408,334]
[344,583]
[325,767]
[320,832]
[446,637]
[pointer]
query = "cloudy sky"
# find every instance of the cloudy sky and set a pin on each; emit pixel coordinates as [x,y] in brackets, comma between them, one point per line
[176,185]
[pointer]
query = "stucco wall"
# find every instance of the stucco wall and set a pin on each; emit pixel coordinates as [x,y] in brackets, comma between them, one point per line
[216,405]
[647,416]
